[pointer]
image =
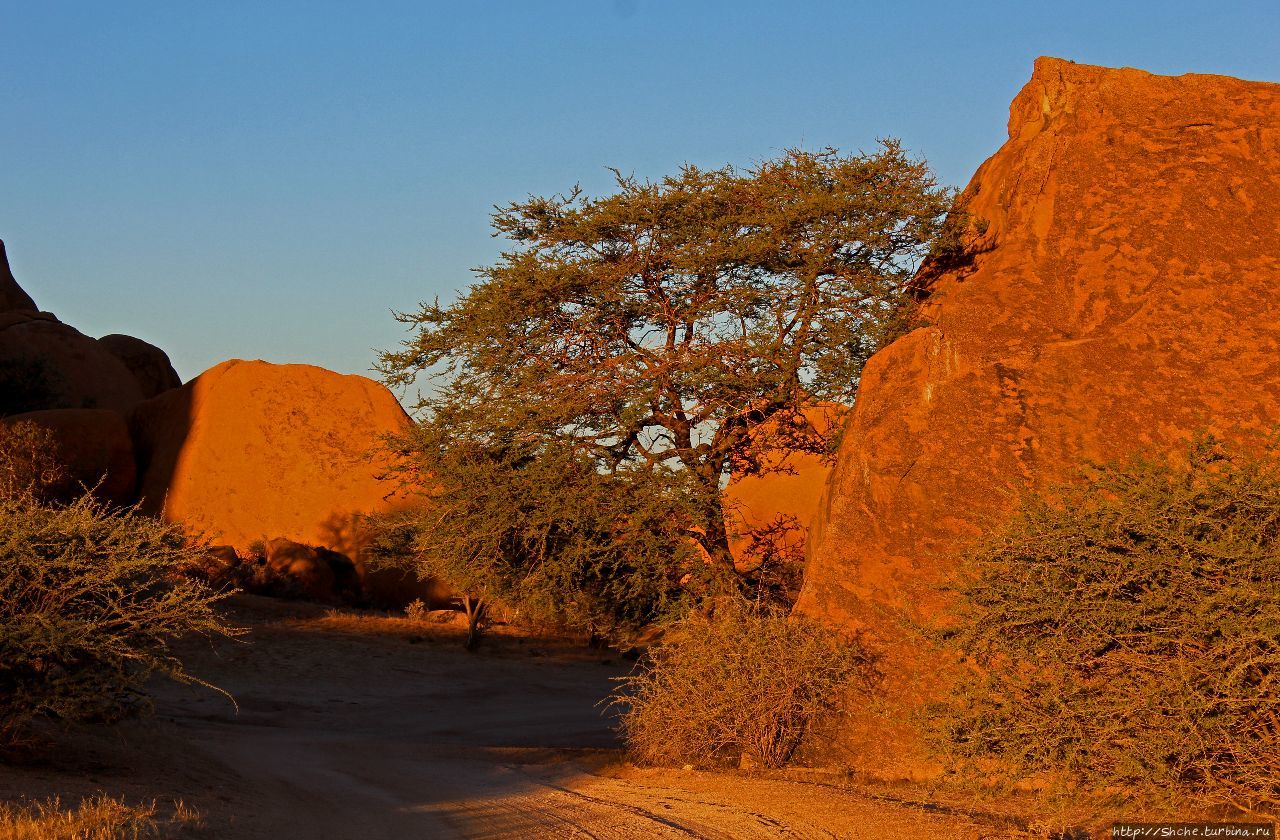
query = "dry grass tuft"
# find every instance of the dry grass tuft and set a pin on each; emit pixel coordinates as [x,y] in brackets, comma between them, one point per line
[97,818]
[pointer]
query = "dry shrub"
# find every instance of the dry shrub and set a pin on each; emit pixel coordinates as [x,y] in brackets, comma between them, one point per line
[28,462]
[739,686]
[89,605]
[1125,634]
[97,818]
[416,610]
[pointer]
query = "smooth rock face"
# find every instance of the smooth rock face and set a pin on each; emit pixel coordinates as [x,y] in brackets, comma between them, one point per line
[12,297]
[149,364]
[45,364]
[1121,293]
[94,449]
[251,451]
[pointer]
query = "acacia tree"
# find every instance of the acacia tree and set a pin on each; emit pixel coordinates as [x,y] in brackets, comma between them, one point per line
[683,323]
[535,530]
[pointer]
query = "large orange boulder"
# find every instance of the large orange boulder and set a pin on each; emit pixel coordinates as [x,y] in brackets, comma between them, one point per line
[1118,292]
[12,297]
[94,450]
[251,451]
[311,572]
[149,364]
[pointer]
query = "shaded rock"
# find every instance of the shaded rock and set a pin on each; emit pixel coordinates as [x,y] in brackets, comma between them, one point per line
[394,589]
[250,449]
[94,449]
[311,572]
[12,297]
[45,364]
[149,364]
[1117,292]
[219,566]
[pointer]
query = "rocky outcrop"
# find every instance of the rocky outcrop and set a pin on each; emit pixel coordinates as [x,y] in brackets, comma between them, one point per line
[1118,291]
[250,451]
[149,364]
[12,297]
[94,450]
[45,364]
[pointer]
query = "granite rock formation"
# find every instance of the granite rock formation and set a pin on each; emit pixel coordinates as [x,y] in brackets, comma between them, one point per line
[94,450]
[12,296]
[149,364]
[46,364]
[790,488]
[1117,292]
[250,451]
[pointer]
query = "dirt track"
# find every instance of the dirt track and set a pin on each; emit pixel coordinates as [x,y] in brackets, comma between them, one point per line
[344,734]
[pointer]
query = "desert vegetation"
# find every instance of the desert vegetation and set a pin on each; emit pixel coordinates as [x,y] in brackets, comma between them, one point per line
[630,355]
[29,464]
[741,685]
[599,388]
[97,818]
[91,598]
[538,534]
[1124,633]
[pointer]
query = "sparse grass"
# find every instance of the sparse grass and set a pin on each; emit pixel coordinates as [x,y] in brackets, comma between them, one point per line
[99,817]
[739,686]
[416,611]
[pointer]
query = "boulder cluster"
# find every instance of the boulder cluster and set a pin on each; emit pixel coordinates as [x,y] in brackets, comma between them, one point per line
[272,464]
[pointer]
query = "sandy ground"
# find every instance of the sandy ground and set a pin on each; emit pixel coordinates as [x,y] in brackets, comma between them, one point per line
[376,729]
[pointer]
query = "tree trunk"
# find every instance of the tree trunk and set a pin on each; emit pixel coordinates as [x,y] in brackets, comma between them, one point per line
[474,609]
[715,540]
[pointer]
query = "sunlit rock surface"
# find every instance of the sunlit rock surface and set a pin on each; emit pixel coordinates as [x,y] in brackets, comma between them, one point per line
[1120,292]
[250,451]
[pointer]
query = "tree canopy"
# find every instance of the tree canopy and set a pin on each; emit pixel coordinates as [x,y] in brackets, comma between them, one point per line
[684,324]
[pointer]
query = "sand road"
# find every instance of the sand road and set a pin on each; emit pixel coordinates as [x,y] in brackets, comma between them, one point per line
[345,733]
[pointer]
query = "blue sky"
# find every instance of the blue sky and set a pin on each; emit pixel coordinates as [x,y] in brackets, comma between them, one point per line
[268,180]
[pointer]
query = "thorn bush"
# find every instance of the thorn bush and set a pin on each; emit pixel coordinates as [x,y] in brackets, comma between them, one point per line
[90,603]
[1124,633]
[739,685]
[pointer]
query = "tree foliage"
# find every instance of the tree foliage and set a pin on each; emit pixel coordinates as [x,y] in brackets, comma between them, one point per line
[1125,631]
[679,326]
[536,531]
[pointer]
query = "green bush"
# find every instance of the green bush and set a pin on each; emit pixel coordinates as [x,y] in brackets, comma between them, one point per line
[739,686]
[89,605]
[1124,633]
[537,532]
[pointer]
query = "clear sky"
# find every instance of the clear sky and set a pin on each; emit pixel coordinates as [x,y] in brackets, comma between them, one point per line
[269,179]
